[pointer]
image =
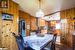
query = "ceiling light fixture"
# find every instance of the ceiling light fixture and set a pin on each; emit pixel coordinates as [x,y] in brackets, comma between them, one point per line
[40,13]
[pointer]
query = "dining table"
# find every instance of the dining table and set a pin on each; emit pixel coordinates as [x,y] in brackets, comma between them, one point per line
[37,42]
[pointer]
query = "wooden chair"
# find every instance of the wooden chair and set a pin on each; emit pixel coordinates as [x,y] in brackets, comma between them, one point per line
[19,41]
[51,44]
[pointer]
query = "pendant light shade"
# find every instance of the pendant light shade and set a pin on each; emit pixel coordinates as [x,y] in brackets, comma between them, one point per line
[40,12]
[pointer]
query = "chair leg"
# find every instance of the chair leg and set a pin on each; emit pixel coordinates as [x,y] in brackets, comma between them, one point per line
[73,48]
[53,47]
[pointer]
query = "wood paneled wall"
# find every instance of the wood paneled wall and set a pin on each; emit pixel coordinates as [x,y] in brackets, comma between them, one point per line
[33,23]
[0,30]
[25,16]
[7,39]
[30,20]
[66,38]
[42,22]
[69,14]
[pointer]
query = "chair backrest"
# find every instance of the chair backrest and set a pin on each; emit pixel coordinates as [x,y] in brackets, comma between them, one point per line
[20,41]
[53,42]
[54,37]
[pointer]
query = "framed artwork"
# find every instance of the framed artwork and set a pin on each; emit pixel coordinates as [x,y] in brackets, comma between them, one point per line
[4,3]
[8,17]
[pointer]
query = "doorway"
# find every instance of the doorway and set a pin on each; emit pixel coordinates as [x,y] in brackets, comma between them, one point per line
[22,28]
[7,38]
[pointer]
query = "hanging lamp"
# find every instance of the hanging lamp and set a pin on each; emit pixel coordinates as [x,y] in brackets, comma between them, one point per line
[40,12]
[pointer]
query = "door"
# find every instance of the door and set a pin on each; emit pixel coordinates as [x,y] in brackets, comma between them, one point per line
[6,34]
[22,29]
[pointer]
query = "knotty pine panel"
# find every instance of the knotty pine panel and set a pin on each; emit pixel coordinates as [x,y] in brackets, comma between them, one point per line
[69,14]
[33,23]
[41,22]
[8,41]
[0,30]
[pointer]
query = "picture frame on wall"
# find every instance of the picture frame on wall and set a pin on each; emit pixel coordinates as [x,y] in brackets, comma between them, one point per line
[7,17]
[4,3]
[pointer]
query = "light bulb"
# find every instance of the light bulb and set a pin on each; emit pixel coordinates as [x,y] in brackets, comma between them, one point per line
[39,13]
